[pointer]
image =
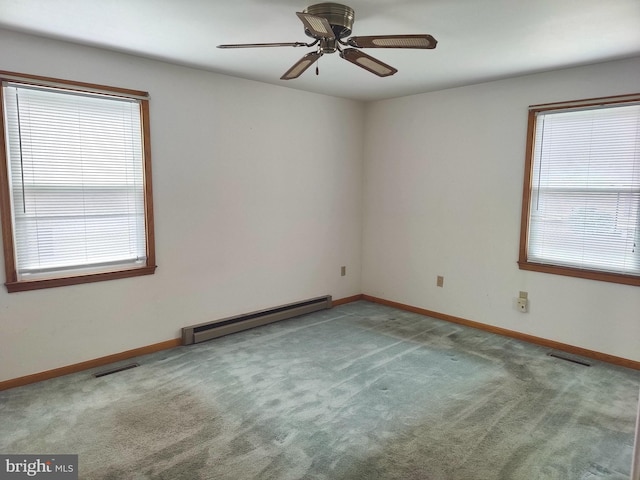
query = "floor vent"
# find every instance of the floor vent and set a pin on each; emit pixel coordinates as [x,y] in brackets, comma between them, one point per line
[207,331]
[116,370]
[569,358]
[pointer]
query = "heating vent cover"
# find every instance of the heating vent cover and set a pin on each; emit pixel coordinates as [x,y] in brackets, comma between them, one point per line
[207,331]
[569,358]
[120,368]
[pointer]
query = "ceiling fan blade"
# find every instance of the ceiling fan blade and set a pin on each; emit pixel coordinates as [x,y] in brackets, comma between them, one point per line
[301,65]
[319,27]
[257,45]
[367,62]
[393,41]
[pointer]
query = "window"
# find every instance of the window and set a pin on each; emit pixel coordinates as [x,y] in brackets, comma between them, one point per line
[581,202]
[75,183]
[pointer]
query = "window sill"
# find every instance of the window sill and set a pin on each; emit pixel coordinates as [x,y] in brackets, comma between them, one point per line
[580,273]
[24,286]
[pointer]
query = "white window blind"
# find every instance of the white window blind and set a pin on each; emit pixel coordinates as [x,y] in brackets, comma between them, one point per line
[585,198]
[76,181]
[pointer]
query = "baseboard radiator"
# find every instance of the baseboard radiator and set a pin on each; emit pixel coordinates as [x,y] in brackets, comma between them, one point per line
[218,328]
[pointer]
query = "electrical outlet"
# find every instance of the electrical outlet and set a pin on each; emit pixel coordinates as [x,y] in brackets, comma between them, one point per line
[523,304]
[440,281]
[523,301]
[343,271]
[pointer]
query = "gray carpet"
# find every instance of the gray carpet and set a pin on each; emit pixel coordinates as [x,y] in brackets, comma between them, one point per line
[361,391]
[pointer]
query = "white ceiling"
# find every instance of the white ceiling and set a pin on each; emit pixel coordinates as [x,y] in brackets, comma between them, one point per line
[478,40]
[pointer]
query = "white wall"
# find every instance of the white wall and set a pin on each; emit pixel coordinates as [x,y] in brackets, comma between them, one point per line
[257,196]
[443,196]
[252,211]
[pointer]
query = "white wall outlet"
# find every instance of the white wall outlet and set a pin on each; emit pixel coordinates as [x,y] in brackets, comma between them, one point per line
[440,281]
[523,304]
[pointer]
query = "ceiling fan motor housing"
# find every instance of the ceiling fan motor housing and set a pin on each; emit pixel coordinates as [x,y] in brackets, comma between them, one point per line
[340,17]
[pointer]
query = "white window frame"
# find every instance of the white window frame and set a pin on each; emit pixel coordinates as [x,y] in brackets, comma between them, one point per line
[16,282]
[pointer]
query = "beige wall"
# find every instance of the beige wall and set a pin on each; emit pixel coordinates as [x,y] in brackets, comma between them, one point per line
[443,195]
[257,196]
[261,194]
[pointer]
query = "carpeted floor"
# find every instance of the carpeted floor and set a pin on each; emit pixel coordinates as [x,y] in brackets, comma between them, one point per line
[361,391]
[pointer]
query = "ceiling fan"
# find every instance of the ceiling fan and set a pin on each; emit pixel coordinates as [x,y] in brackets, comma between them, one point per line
[329,24]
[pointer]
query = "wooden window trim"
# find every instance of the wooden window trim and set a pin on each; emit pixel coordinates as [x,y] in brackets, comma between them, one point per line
[523,261]
[11,276]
